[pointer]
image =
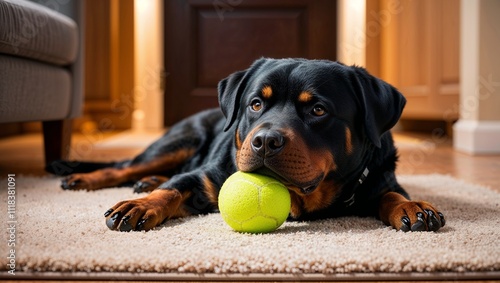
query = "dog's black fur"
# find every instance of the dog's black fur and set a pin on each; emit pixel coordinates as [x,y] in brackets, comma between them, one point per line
[320,127]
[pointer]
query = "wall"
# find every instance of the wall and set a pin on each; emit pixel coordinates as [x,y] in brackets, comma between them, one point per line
[478,130]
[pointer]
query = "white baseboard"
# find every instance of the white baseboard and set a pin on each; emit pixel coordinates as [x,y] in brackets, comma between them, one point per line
[477,137]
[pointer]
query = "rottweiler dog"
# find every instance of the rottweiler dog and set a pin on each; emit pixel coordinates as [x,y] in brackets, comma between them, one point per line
[320,127]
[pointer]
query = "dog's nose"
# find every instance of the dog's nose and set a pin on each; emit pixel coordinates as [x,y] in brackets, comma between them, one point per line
[267,143]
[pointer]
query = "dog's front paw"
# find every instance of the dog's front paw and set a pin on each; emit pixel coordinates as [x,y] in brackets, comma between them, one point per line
[144,213]
[406,215]
[149,184]
[416,216]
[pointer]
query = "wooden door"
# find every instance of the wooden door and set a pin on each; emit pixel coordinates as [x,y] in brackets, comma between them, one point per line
[109,64]
[420,56]
[206,40]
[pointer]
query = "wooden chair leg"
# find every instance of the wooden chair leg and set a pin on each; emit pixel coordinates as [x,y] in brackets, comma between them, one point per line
[56,139]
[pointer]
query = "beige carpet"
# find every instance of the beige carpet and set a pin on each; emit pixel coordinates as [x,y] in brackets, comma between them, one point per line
[61,231]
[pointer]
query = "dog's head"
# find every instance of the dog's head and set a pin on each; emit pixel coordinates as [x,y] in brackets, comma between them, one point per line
[306,122]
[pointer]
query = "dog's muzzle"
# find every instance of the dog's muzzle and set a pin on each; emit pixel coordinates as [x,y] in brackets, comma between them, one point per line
[271,152]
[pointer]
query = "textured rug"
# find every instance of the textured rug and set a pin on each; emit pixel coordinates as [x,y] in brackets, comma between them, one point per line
[54,232]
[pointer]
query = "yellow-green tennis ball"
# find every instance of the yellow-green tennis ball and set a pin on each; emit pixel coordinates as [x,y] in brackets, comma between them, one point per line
[254,203]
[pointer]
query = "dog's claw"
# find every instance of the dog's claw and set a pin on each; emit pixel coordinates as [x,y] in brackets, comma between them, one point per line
[433,223]
[419,225]
[108,212]
[124,225]
[140,224]
[406,224]
[441,217]
[113,221]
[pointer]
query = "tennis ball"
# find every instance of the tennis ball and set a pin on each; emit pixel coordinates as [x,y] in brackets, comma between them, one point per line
[254,203]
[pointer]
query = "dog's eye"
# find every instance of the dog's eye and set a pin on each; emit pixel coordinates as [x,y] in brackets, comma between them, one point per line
[318,110]
[256,105]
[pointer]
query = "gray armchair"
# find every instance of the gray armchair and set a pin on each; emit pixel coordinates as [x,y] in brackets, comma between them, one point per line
[41,70]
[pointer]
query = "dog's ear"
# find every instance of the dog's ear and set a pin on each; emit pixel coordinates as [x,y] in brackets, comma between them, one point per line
[229,99]
[381,103]
[231,90]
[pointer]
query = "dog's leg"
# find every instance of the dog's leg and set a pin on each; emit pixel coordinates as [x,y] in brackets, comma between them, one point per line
[184,194]
[110,177]
[402,214]
[163,156]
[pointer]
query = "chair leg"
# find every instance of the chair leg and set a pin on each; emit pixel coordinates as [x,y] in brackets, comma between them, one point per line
[56,139]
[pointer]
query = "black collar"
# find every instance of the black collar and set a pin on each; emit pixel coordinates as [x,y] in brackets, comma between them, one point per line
[350,201]
[351,195]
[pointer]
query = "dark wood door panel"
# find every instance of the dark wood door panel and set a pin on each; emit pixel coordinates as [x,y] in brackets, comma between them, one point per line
[245,35]
[207,40]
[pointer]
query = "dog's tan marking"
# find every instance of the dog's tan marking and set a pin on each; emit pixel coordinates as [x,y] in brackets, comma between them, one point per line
[210,191]
[348,141]
[244,155]
[267,92]
[322,197]
[305,96]
[237,139]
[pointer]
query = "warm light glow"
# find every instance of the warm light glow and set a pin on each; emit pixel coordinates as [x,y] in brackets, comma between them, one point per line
[148,95]
[352,32]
